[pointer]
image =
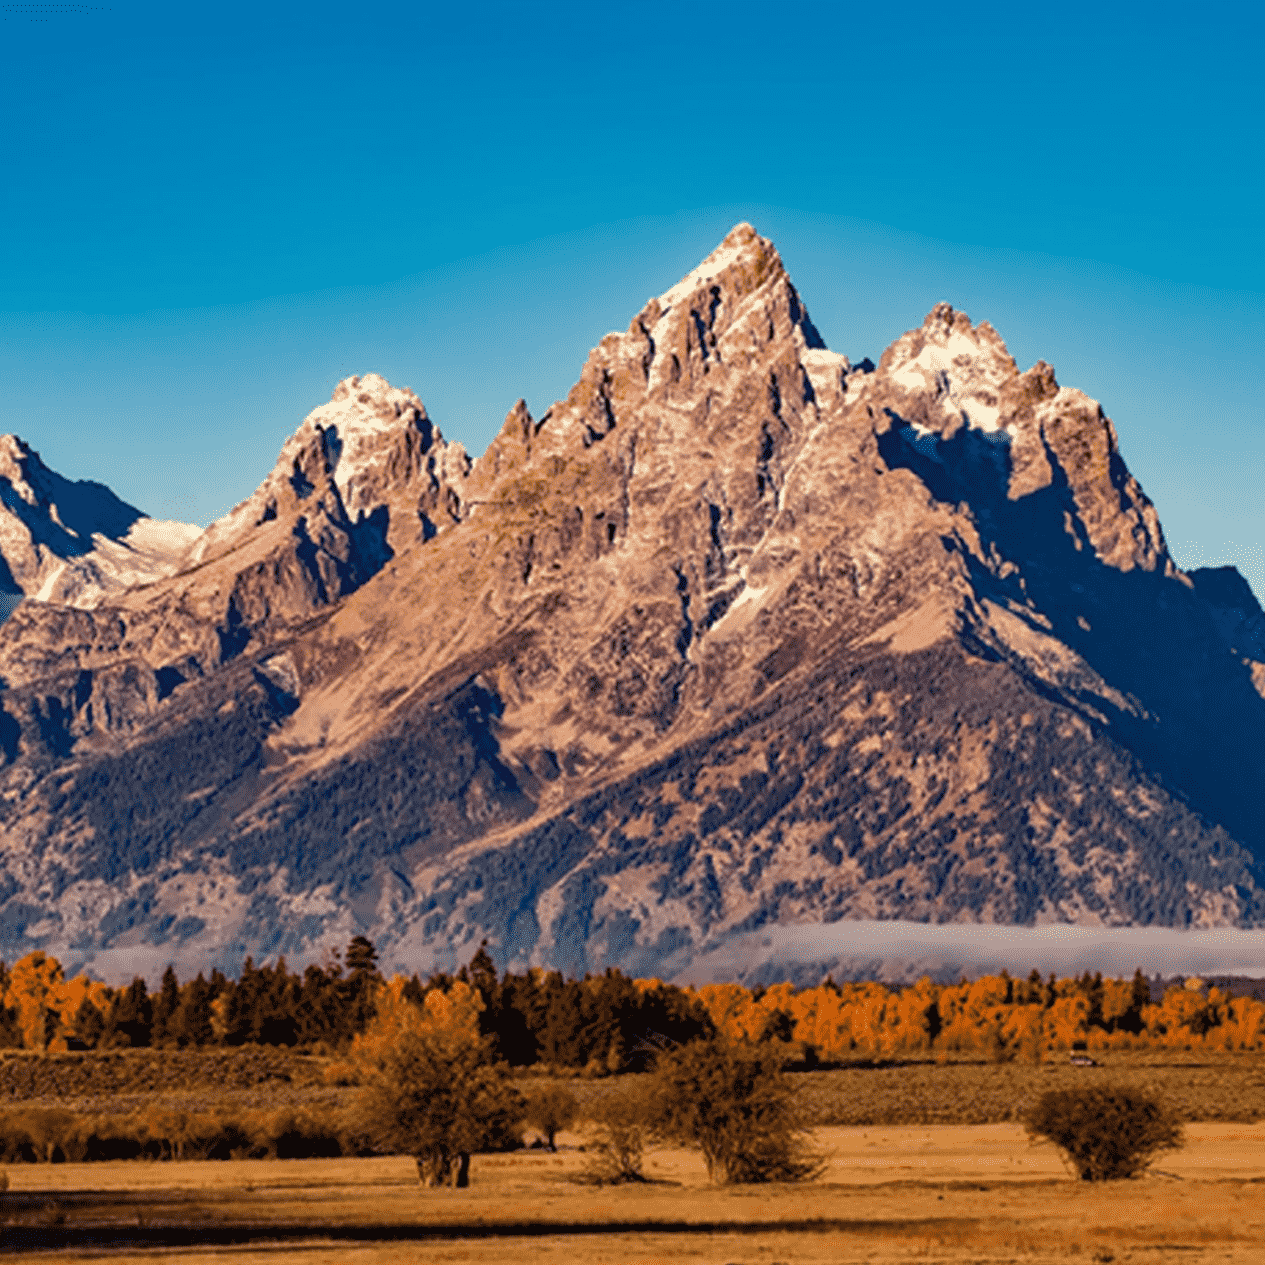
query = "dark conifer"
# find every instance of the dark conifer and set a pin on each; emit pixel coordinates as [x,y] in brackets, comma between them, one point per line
[165,1008]
[88,1025]
[131,1017]
[191,1024]
[361,984]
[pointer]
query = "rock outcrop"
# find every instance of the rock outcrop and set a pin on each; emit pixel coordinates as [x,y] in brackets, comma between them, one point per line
[738,633]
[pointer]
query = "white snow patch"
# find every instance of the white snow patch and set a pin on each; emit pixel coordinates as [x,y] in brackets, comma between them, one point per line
[936,359]
[826,369]
[45,593]
[715,263]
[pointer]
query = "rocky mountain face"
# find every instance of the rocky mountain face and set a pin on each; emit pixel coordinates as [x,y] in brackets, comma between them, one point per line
[74,543]
[737,634]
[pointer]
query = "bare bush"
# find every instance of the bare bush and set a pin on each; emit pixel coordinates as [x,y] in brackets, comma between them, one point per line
[1105,1133]
[621,1127]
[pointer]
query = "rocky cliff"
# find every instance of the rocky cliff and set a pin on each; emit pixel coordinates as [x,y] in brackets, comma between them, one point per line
[736,634]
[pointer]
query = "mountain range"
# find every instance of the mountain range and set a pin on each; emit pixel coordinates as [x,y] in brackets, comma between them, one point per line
[737,635]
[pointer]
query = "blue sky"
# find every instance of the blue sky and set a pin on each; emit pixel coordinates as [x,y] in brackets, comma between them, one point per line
[211,213]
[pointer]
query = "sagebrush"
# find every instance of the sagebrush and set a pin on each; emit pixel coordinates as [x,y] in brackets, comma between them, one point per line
[1107,1134]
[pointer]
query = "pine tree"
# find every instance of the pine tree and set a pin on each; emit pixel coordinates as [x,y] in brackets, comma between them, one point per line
[361,983]
[131,1017]
[191,1024]
[88,1024]
[362,957]
[10,1029]
[320,1013]
[241,1011]
[482,973]
[165,1008]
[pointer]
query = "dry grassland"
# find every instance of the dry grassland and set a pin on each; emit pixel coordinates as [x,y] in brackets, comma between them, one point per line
[1220,1086]
[927,1193]
[1199,1086]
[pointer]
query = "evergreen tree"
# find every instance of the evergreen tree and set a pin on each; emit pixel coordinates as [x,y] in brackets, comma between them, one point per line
[131,1017]
[560,1040]
[88,1025]
[362,957]
[508,1022]
[361,984]
[276,1021]
[243,997]
[10,1029]
[191,1024]
[165,1008]
[481,973]
[320,1010]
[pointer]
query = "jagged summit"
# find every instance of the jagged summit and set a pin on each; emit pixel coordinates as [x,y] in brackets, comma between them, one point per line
[351,458]
[75,542]
[735,634]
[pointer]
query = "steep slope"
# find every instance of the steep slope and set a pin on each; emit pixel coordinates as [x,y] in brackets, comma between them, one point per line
[363,476]
[737,633]
[74,542]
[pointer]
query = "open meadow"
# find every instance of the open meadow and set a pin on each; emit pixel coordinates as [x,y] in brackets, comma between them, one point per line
[925,1161]
[980,1193]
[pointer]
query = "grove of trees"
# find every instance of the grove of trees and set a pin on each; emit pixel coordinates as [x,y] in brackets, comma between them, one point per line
[608,1023]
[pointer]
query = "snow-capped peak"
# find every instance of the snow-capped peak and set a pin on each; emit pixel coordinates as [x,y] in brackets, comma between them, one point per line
[963,366]
[742,242]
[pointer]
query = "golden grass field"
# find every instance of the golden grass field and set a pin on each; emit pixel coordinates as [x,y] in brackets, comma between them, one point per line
[952,1193]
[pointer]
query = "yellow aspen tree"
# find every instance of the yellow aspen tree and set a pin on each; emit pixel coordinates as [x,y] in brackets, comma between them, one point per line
[957,1030]
[822,1021]
[732,1011]
[453,1014]
[1244,1026]
[1066,1022]
[869,1008]
[1023,1032]
[68,996]
[33,992]
[907,1028]
[772,1000]
[1117,998]
[1184,1014]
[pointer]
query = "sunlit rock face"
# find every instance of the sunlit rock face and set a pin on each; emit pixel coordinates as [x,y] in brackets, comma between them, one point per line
[74,543]
[737,634]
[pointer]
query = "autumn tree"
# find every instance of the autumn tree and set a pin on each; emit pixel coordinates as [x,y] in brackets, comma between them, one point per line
[440,1098]
[33,992]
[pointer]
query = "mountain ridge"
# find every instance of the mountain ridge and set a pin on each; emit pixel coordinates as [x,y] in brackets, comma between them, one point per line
[737,633]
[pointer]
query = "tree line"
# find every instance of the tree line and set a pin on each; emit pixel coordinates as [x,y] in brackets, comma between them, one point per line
[609,1023]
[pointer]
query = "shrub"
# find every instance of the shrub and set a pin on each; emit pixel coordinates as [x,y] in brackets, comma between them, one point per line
[1106,1134]
[732,1100]
[551,1108]
[621,1125]
[440,1098]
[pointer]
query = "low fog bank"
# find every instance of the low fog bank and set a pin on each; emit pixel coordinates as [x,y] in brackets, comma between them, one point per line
[901,952]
